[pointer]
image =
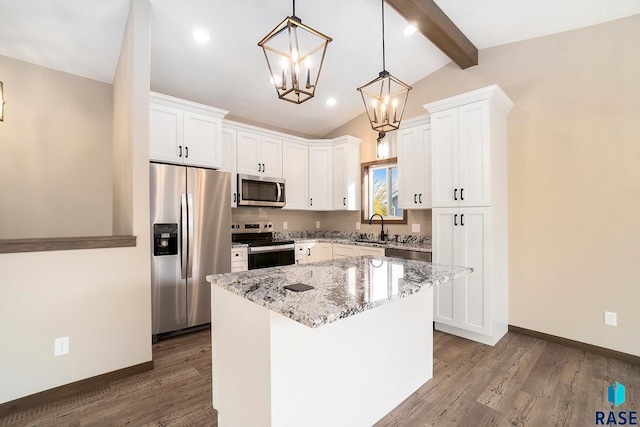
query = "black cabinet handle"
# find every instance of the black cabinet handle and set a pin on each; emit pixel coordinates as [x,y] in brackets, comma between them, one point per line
[309,252]
[462,220]
[179,150]
[462,194]
[344,201]
[235,198]
[420,197]
[455,220]
[455,194]
[414,198]
[259,168]
[186,152]
[263,167]
[311,200]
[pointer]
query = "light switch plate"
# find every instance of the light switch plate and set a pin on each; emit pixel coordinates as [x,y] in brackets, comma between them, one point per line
[317,224]
[415,228]
[285,225]
[357,225]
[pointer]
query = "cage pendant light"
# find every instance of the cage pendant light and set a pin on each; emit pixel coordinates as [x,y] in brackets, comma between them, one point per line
[385,97]
[294,53]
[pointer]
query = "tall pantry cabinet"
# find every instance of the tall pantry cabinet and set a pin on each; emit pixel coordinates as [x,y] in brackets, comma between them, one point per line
[469,216]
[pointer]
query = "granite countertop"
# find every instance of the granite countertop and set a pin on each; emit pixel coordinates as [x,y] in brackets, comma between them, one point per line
[343,287]
[238,245]
[407,246]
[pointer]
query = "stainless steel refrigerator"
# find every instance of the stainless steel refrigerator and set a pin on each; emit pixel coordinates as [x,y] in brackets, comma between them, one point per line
[191,238]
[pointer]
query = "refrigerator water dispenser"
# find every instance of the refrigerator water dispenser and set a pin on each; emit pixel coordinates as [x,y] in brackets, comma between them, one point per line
[165,239]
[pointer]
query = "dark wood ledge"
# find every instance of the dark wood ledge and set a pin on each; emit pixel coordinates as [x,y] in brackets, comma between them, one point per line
[65,243]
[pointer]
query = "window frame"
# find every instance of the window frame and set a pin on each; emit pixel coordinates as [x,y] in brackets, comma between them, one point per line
[364,206]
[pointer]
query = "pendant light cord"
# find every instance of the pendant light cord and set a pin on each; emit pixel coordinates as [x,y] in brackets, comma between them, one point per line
[294,8]
[384,66]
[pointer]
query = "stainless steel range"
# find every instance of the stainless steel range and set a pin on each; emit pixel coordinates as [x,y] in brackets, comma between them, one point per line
[264,251]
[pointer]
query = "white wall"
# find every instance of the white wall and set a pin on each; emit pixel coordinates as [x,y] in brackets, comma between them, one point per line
[55,153]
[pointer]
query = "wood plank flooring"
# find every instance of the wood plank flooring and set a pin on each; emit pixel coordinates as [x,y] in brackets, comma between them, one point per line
[522,381]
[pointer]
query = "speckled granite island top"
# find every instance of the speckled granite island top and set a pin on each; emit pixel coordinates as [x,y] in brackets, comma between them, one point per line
[342,287]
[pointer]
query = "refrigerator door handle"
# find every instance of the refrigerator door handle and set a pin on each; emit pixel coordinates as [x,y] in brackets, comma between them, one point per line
[190,219]
[184,237]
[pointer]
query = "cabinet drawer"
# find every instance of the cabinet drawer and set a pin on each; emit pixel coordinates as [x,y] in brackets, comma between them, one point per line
[345,251]
[239,254]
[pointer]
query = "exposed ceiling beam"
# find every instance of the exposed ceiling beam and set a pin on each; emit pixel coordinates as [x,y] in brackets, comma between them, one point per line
[438,28]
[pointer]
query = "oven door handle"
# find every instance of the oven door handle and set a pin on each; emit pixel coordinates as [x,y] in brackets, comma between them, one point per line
[277,248]
[279,192]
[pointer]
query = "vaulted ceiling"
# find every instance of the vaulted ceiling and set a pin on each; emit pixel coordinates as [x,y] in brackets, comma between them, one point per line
[83,37]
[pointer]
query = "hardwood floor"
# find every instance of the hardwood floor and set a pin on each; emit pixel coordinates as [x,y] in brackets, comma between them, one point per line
[522,381]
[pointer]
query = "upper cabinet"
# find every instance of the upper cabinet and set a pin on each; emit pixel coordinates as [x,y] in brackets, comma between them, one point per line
[320,170]
[259,154]
[295,171]
[184,132]
[414,164]
[462,136]
[346,173]
[229,160]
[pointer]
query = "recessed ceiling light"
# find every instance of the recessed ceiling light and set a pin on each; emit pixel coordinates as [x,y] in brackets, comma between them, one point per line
[201,36]
[331,101]
[409,30]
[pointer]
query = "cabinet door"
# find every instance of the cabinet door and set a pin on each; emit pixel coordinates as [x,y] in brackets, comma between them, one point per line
[474,154]
[320,169]
[445,251]
[165,133]
[325,251]
[339,178]
[444,143]
[301,253]
[410,168]
[271,156]
[474,289]
[249,159]
[295,171]
[202,140]
[229,147]
[424,179]
[365,250]
[344,251]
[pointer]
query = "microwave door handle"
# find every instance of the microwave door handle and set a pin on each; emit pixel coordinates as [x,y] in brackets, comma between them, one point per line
[191,242]
[279,192]
[184,227]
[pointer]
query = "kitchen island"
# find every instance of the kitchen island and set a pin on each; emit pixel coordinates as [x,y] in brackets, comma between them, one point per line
[343,353]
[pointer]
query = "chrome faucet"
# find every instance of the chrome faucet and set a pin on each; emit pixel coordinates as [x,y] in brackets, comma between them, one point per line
[383,235]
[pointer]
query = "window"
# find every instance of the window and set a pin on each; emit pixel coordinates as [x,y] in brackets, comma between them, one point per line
[380,191]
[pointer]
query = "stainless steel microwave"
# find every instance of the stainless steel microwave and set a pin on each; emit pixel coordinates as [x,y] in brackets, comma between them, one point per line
[261,191]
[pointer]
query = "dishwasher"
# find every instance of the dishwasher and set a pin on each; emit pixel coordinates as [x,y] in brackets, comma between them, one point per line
[408,254]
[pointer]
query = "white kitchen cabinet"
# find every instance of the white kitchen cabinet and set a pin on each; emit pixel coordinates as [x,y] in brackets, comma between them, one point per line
[184,132]
[259,154]
[229,161]
[312,252]
[461,236]
[295,171]
[370,250]
[301,253]
[319,251]
[341,250]
[239,259]
[320,176]
[346,174]
[414,165]
[470,216]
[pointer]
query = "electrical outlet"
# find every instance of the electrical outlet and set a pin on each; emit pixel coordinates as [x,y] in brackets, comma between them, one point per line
[61,346]
[415,228]
[357,225]
[610,318]
[317,224]
[285,225]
